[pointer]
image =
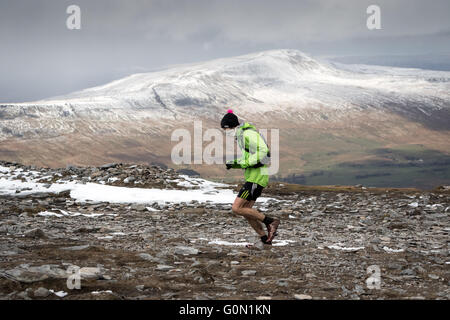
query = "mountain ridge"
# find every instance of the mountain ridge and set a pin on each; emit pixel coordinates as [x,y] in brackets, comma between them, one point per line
[357,107]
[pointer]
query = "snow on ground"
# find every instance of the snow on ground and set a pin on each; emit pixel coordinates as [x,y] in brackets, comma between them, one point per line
[60,294]
[100,292]
[281,243]
[227,243]
[9,187]
[96,192]
[207,192]
[70,214]
[339,246]
[190,182]
[4,169]
[49,214]
[277,243]
[387,249]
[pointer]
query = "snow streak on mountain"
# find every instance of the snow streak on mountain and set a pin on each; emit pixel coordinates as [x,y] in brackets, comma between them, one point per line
[281,80]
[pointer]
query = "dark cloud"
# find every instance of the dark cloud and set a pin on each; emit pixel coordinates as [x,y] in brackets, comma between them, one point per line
[41,58]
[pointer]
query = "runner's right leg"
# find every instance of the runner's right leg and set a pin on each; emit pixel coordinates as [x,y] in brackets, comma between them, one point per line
[241,207]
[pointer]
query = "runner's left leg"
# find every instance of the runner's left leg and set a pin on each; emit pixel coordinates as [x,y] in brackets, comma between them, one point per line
[239,207]
[255,224]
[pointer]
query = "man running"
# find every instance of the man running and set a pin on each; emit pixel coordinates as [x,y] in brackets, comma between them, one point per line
[254,158]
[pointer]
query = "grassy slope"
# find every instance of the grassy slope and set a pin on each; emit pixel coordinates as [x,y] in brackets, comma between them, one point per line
[403,166]
[371,149]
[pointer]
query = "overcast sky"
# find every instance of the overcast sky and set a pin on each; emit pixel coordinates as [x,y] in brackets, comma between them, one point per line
[40,57]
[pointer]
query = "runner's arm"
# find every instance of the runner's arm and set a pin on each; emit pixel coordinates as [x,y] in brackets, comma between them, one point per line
[256,145]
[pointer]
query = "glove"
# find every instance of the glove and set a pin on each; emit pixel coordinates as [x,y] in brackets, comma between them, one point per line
[233,165]
[258,165]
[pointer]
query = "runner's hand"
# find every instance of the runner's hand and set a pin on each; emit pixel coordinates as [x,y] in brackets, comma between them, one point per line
[233,165]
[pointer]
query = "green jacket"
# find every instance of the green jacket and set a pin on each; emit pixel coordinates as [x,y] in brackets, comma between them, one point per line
[254,150]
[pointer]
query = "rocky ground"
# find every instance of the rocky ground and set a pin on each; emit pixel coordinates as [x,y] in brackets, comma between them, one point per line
[327,240]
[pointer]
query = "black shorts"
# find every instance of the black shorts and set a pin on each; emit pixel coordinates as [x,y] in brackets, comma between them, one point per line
[250,191]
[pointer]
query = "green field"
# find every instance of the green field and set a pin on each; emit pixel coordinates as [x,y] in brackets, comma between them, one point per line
[403,166]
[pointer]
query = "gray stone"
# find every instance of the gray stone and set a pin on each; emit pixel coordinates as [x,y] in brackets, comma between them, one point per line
[408,272]
[91,273]
[302,297]
[163,267]
[34,274]
[185,250]
[76,248]
[148,257]
[35,233]
[41,292]
[8,253]
[419,269]
[282,283]
[23,295]
[129,179]
[416,298]
[358,289]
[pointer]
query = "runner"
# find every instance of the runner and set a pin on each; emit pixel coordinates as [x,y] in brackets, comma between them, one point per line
[254,159]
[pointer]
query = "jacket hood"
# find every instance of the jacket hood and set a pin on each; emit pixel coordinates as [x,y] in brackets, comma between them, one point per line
[246,125]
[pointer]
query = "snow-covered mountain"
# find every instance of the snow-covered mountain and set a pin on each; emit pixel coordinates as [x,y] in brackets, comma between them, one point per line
[327,113]
[286,81]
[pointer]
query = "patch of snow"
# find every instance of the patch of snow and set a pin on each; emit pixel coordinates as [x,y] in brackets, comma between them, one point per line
[70,214]
[348,249]
[63,212]
[4,169]
[434,206]
[60,294]
[276,243]
[84,192]
[227,243]
[414,205]
[280,243]
[96,192]
[387,249]
[100,292]
[189,182]
[49,214]
[91,215]
[105,238]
